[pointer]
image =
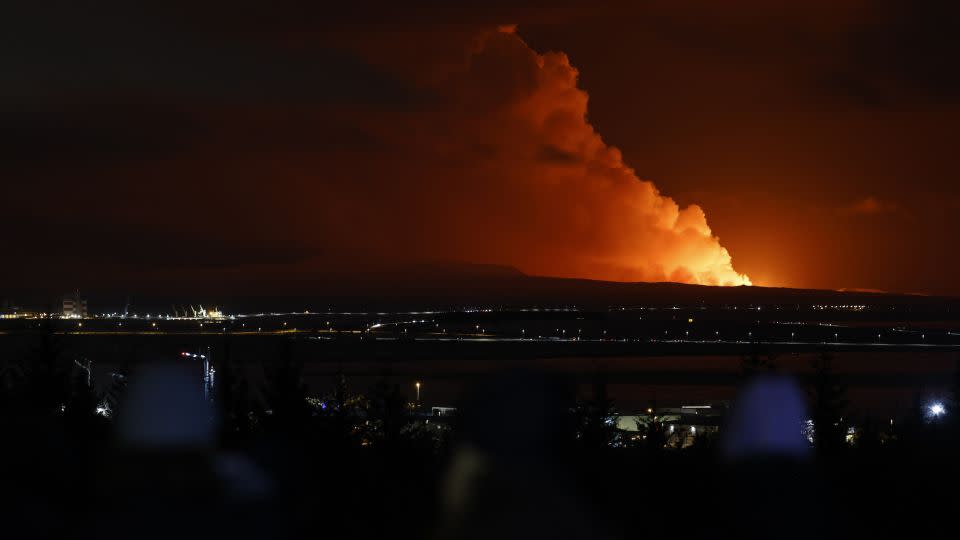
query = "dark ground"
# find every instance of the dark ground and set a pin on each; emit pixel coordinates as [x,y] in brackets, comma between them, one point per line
[529,454]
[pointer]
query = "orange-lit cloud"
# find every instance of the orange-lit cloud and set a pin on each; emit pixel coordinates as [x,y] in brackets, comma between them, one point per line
[527,180]
[469,147]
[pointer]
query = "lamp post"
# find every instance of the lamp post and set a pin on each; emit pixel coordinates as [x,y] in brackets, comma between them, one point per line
[417,384]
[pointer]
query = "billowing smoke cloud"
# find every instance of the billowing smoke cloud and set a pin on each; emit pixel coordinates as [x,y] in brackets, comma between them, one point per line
[400,147]
[508,170]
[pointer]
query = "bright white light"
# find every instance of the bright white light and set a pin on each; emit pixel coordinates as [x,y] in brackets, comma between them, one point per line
[937,409]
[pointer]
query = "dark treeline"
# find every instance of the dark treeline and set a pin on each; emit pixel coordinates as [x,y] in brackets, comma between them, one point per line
[149,456]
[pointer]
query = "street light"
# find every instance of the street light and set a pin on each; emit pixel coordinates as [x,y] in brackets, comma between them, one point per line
[937,409]
[417,384]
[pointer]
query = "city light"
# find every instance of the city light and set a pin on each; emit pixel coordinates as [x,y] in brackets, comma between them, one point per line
[937,409]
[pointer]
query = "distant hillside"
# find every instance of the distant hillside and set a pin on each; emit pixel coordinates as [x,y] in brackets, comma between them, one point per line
[450,284]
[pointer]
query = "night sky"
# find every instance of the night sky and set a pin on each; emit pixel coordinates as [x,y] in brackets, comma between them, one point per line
[168,145]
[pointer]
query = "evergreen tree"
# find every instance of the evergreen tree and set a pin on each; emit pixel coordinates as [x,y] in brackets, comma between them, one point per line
[597,418]
[953,406]
[655,435]
[343,410]
[45,386]
[827,403]
[868,439]
[285,393]
[389,414]
[232,396]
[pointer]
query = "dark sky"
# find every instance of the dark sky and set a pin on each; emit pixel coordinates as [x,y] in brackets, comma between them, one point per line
[169,145]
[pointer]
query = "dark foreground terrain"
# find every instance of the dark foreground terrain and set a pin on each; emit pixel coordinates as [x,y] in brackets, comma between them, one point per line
[290,441]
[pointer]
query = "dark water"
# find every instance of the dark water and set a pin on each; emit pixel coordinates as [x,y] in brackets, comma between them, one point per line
[880,383]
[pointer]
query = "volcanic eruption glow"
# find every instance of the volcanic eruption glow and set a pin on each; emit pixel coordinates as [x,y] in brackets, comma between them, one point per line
[565,203]
[482,154]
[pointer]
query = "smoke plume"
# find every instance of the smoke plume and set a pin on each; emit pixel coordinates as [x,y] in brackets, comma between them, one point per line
[379,149]
[514,173]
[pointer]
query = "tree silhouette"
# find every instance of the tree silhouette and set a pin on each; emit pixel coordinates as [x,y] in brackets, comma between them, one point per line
[655,437]
[45,378]
[233,400]
[343,412]
[388,415]
[953,406]
[827,403]
[868,439]
[285,393]
[596,418]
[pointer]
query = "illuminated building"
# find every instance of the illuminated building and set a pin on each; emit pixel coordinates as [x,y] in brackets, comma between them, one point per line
[681,425]
[74,307]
